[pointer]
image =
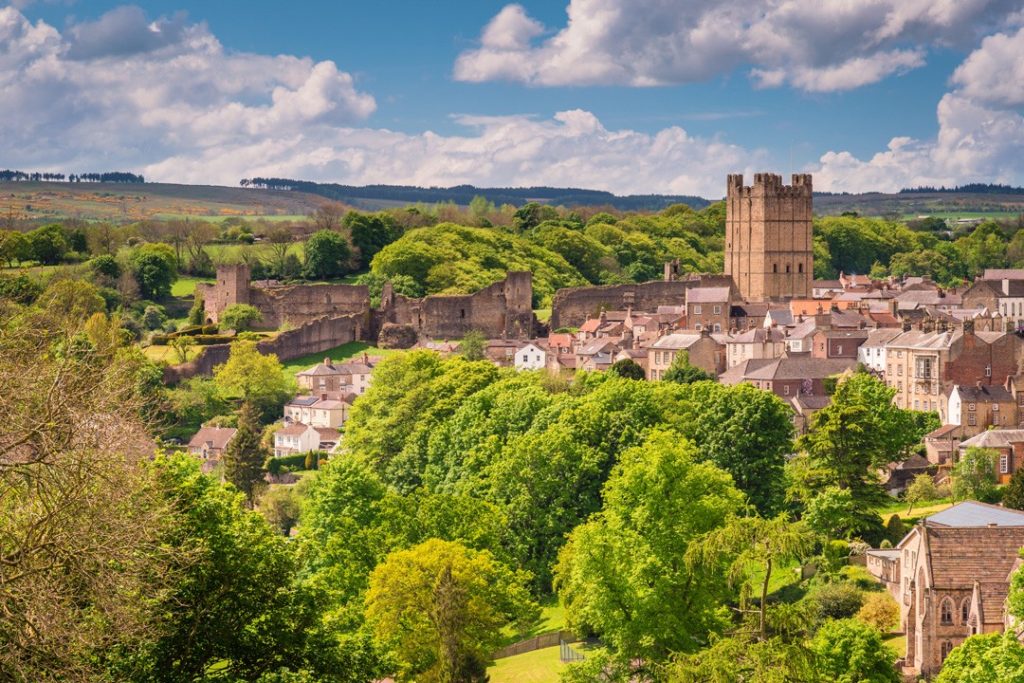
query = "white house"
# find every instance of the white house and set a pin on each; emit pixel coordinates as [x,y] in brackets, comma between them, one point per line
[303,438]
[872,352]
[326,410]
[531,357]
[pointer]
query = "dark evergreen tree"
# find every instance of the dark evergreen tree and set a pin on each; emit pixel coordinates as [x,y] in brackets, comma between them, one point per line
[627,368]
[1013,496]
[245,454]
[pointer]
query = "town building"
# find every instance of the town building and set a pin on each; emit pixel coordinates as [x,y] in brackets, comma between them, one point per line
[328,409]
[980,407]
[703,352]
[209,442]
[1007,443]
[950,575]
[298,438]
[530,357]
[350,377]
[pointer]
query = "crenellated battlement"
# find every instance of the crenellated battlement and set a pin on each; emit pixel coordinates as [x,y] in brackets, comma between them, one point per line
[769,185]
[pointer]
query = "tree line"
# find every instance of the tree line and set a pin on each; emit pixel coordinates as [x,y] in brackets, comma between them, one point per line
[464,194]
[8,175]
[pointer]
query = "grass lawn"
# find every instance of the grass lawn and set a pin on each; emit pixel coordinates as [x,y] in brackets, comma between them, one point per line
[552,618]
[186,285]
[349,351]
[782,578]
[897,641]
[165,354]
[539,666]
[543,314]
[928,508]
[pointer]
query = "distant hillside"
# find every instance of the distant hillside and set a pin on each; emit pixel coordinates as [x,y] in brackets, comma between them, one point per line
[41,201]
[918,202]
[378,196]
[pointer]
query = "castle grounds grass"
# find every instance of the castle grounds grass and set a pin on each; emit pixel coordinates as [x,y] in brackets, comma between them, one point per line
[539,666]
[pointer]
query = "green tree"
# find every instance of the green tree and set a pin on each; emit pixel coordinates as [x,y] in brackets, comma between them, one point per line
[737,659]
[182,344]
[240,317]
[441,608]
[615,570]
[751,542]
[197,314]
[744,430]
[984,658]
[627,368]
[48,245]
[370,233]
[327,255]
[280,506]
[14,247]
[681,372]
[853,437]
[155,269]
[921,489]
[473,345]
[1013,494]
[245,454]
[974,475]
[881,611]
[105,268]
[848,651]
[232,607]
[254,378]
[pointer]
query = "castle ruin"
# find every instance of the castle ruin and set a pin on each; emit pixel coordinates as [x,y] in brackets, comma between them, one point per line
[502,309]
[769,250]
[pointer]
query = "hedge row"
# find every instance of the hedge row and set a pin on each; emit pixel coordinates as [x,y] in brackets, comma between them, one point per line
[199,339]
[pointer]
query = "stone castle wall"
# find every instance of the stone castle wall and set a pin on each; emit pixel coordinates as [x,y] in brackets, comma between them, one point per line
[502,309]
[572,306]
[768,236]
[312,337]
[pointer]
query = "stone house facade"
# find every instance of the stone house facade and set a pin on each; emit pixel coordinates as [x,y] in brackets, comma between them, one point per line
[950,576]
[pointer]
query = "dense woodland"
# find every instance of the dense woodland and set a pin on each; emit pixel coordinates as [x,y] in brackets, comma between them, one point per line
[666,517]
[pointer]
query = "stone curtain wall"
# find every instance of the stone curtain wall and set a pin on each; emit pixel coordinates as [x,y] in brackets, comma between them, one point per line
[300,304]
[572,306]
[313,337]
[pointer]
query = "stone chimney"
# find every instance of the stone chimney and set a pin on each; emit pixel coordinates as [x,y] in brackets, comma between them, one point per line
[969,327]
[327,362]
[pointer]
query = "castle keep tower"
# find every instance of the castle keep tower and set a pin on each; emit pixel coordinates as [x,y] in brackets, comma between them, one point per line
[768,247]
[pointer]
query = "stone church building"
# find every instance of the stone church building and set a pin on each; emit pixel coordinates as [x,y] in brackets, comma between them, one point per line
[950,575]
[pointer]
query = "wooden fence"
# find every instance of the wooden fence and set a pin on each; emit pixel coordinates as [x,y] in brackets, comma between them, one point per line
[536,643]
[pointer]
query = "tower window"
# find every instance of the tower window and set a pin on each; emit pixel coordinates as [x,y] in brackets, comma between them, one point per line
[799,267]
[787,267]
[775,267]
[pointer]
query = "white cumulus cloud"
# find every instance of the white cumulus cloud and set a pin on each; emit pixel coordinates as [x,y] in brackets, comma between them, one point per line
[827,45]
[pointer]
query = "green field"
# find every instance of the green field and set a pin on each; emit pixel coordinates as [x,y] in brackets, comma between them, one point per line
[217,218]
[926,508]
[539,666]
[953,215]
[166,354]
[349,351]
[186,285]
[233,252]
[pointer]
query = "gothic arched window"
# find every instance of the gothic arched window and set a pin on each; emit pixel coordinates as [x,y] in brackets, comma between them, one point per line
[965,611]
[946,648]
[946,611]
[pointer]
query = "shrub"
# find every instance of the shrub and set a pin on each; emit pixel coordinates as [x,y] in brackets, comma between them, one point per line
[836,601]
[881,611]
[895,529]
[207,339]
[153,318]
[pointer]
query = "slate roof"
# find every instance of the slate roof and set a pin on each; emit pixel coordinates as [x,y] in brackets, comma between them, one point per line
[677,341]
[974,514]
[984,393]
[994,438]
[1003,274]
[217,436]
[707,295]
[803,367]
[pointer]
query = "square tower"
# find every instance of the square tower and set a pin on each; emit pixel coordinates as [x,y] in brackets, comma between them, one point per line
[769,250]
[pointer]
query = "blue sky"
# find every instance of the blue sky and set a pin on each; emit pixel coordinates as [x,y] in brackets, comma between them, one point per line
[629,96]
